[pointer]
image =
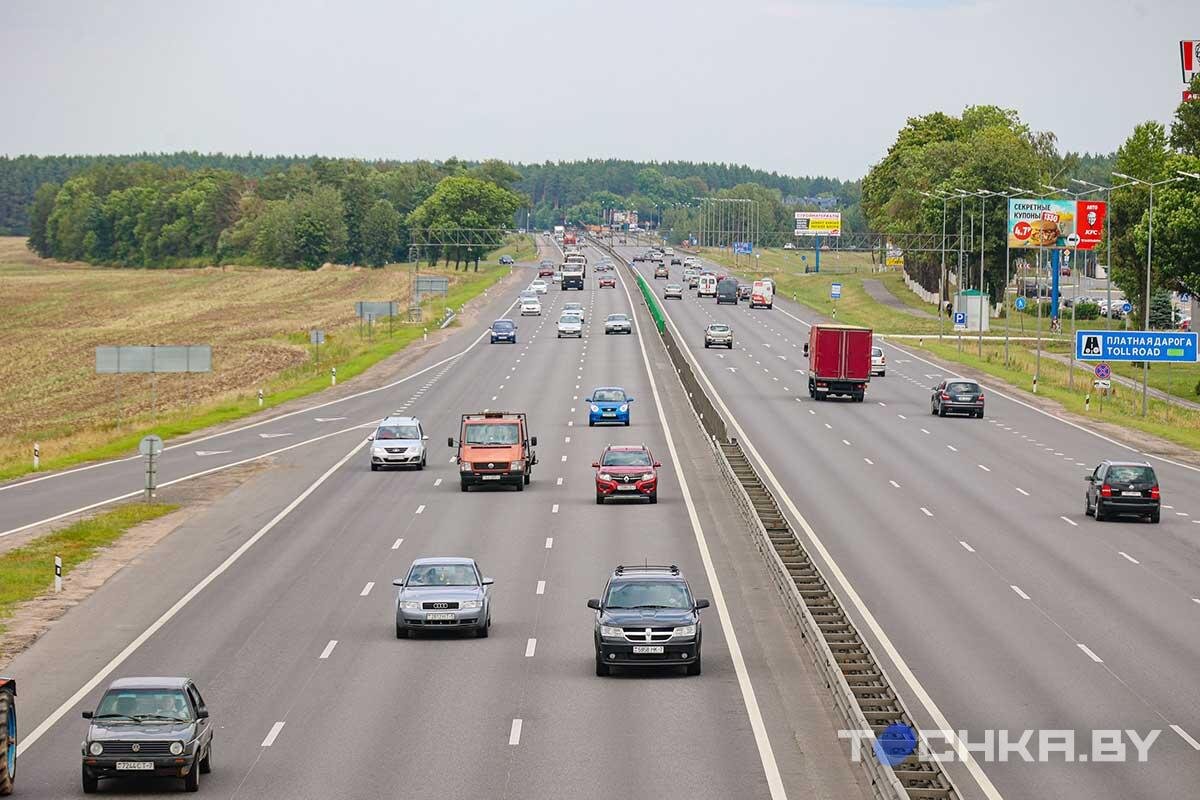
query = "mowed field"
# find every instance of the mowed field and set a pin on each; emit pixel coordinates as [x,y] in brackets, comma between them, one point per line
[53,316]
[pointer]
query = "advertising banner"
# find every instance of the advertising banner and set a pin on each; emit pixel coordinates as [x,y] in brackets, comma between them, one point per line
[1055,223]
[1189,59]
[814,223]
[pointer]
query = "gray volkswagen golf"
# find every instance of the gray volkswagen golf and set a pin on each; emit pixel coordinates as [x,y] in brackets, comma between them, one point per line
[443,594]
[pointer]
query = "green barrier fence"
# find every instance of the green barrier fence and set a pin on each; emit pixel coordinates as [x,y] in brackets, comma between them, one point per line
[652,303]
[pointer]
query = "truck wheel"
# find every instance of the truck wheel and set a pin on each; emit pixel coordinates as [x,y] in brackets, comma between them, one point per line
[528,477]
[464,486]
[521,485]
[90,782]
[8,741]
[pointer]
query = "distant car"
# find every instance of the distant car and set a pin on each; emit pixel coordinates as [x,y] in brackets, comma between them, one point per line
[718,333]
[727,291]
[539,286]
[506,260]
[546,272]
[603,266]
[1184,324]
[608,404]
[148,727]
[1117,488]
[661,271]
[676,260]
[573,308]
[693,280]
[546,264]
[647,617]
[673,290]
[399,441]
[745,291]
[440,594]
[570,325]
[878,362]
[607,282]
[531,306]
[503,330]
[618,323]
[789,246]
[957,395]
[626,471]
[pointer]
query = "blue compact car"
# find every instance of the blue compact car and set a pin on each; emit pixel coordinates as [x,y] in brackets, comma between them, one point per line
[504,330]
[609,404]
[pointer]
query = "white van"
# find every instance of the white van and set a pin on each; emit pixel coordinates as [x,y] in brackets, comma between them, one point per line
[762,295]
[707,286]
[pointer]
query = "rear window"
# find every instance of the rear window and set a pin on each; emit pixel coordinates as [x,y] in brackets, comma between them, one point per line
[962,388]
[1130,474]
[876,351]
[728,285]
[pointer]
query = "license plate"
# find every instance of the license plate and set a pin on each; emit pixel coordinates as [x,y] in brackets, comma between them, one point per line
[491,477]
[626,488]
[963,398]
[608,414]
[647,649]
[135,765]
[439,615]
[1131,494]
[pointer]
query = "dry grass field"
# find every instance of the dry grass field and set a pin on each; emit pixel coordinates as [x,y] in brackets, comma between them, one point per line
[53,315]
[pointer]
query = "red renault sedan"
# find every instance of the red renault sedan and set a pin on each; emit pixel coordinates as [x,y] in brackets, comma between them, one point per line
[626,471]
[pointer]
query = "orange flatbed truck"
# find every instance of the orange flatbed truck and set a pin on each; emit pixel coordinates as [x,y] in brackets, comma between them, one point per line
[495,448]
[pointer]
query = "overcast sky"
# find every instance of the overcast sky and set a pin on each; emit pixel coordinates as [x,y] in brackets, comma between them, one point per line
[798,86]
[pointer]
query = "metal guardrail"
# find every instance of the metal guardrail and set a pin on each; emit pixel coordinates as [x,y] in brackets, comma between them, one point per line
[859,686]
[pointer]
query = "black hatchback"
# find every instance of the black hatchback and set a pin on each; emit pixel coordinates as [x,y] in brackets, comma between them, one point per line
[1118,488]
[957,396]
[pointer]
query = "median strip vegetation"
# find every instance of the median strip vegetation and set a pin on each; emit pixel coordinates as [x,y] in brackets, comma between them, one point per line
[27,572]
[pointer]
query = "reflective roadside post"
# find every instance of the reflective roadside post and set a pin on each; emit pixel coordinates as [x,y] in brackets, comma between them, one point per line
[150,447]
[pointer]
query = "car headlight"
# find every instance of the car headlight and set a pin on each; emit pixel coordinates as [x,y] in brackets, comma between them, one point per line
[624,407]
[611,632]
[649,476]
[604,476]
[595,409]
[471,604]
[176,748]
[686,631]
[517,465]
[378,451]
[465,466]
[95,748]
[410,605]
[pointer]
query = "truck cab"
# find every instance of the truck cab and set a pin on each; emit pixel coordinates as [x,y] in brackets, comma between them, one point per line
[494,447]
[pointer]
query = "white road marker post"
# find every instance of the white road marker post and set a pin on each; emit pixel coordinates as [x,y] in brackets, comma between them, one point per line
[333,376]
[260,398]
[37,456]
[57,574]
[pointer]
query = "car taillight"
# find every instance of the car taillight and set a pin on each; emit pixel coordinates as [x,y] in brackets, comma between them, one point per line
[1106,490]
[1154,493]
[981,397]
[945,396]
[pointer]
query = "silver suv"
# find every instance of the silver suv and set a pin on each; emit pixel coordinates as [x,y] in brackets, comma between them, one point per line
[398,442]
[443,594]
[718,333]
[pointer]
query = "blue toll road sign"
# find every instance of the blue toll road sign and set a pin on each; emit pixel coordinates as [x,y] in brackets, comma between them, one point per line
[835,290]
[1103,372]
[1020,304]
[1126,308]
[1152,346]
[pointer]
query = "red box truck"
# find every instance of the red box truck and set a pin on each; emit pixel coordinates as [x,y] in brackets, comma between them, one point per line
[839,361]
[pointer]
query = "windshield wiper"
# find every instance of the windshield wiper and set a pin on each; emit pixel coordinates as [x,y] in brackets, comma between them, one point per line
[143,717]
[114,716]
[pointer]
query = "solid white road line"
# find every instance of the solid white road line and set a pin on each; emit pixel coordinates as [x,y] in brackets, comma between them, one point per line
[396,544]
[367,589]
[541,587]
[1020,593]
[328,648]
[514,733]
[1089,652]
[273,734]
[967,547]
[121,657]
[1128,557]
[1186,737]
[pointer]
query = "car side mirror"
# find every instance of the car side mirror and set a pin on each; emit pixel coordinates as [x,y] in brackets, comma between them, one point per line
[628,399]
[1089,478]
[87,714]
[595,465]
[806,351]
[488,581]
[201,713]
[450,441]
[371,438]
[397,581]
[594,604]
[425,438]
[533,441]
[657,464]
[701,604]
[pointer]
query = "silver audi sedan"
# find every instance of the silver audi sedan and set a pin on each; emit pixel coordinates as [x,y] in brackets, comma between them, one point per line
[443,594]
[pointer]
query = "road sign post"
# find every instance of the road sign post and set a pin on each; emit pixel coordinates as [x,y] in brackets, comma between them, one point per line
[150,447]
[835,294]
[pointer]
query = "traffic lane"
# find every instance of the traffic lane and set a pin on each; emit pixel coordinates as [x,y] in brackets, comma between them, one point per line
[29,500]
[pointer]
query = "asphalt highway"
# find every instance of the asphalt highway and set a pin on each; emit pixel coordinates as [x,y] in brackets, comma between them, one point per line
[278,602]
[966,542]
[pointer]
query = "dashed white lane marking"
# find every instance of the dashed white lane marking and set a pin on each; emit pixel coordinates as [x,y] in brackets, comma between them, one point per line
[514,733]
[893,483]
[559,482]
[1069,521]
[1181,513]
[924,431]
[438,482]
[810,410]
[396,544]
[967,547]
[982,467]
[1186,737]
[549,542]
[554,509]
[541,587]
[273,734]
[1089,652]
[1168,507]
[1020,593]
[847,442]
[328,649]
[952,447]
[420,509]
[453,459]
[869,461]
[566,440]
[570,423]
[367,589]
[530,646]
[901,416]
[1128,557]
[882,403]
[926,511]
[572,409]
[564,458]
[827,425]
[1022,491]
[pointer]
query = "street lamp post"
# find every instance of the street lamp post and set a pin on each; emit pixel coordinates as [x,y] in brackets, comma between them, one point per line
[942,278]
[1075,296]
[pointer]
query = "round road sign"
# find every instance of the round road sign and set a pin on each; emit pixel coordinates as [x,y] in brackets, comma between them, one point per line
[1103,371]
[1127,307]
[1020,304]
[150,445]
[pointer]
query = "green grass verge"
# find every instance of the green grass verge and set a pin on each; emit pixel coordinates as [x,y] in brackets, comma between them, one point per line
[27,572]
[345,349]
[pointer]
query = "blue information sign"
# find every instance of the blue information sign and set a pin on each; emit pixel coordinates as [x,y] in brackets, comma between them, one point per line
[1153,346]
[1020,304]
[835,290]
[1126,308]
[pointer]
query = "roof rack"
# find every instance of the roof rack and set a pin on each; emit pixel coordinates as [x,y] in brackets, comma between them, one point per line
[623,568]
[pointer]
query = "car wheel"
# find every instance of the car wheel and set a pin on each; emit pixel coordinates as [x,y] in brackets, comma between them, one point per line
[882,373]
[932,408]
[528,477]
[401,631]
[730,345]
[980,414]
[1154,516]
[374,468]
[422,461]
[591,423]
[90,782]
[482,631]
[941,411]
[706,345]
[653,496]
[599,499]
[1099,511]
[626,423]
[8,742]
[1087,506]
[693,668]
[521,484]
[191,781]
[602,670]
[206,762]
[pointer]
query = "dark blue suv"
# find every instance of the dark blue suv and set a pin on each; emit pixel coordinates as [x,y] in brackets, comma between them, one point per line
[504,330]
[647,618]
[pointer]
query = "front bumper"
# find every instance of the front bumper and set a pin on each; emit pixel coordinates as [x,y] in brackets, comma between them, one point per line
[674,654]
[504,338]
[395,459]
[609,416]
[491,478]
[637,489]
[571,332]
[105,766]
[618,329]
[419,619]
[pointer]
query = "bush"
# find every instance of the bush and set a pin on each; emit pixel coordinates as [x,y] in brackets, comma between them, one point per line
[1087,311]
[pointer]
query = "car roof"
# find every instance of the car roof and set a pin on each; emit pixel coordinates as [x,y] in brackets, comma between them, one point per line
[1115,463]
[159,682]
[503,319]
[398,420]
[618,314]
[422,562]
[628,448]
[603,388]
[637,572]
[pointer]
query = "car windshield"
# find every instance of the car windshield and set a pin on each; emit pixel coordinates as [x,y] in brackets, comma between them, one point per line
[527,294]
[397,432]
[572,319]
[962,388]
[626,458]
[608,396]
[502,325]
[1129,474]
[442,575]
[648,594]
[718,328]
[484,433]
[531,301]
[168,705]
[617,318]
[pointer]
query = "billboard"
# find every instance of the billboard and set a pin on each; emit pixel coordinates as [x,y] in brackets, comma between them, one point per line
[1055,223]
[814,223]
[1189,60]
